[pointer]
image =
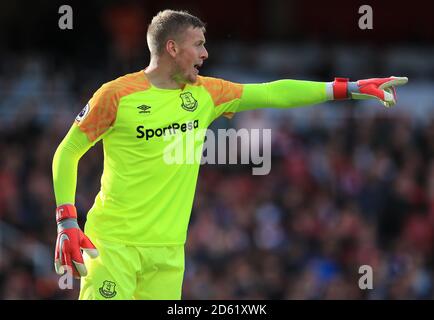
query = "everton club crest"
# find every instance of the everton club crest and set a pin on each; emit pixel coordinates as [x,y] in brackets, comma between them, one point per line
[108,289]
[189,103]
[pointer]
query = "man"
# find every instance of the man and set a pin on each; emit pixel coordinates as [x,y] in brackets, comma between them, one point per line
[137,227]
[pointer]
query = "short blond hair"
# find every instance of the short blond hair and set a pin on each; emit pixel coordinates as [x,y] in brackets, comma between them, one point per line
[167,24]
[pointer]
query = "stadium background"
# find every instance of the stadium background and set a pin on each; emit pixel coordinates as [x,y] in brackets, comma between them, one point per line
[351,183]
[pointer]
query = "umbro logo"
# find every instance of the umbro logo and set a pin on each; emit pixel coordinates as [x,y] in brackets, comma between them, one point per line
[144,108]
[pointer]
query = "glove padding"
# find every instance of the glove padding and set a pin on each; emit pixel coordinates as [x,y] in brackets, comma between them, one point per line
[70,241]
[382,89]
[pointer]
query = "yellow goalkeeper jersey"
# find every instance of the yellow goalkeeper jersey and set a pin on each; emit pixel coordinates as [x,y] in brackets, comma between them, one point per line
[151,138]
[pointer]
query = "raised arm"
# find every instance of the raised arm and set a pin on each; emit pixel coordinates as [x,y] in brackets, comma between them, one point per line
[230,97]
[297,93]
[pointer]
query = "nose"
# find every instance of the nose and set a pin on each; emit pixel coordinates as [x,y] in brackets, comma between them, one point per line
[204,54]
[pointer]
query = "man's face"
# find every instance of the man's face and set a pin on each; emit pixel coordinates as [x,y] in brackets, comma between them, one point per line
[190,56]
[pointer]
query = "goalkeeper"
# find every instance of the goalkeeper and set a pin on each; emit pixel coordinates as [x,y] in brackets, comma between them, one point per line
[133,242]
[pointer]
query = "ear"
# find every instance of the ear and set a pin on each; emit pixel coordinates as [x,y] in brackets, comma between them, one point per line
[171,48]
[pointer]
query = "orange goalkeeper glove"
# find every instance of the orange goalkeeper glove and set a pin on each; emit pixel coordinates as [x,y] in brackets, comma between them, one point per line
[382,89]
[70,241]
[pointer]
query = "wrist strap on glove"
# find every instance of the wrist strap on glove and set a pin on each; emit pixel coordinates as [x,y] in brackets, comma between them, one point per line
[340,89]
[66,211]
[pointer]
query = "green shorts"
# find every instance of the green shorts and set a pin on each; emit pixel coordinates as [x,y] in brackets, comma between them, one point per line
[124,272]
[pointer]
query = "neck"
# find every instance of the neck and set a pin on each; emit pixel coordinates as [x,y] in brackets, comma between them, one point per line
[160,74]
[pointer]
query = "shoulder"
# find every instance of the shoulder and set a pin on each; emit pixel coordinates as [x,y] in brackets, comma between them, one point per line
[208,81]
[220,90]
[124,85]
[217,83]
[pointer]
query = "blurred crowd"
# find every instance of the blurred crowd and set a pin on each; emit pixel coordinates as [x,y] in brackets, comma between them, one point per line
[337,198]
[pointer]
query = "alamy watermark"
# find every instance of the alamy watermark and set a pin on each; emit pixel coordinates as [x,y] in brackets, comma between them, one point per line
[366,21]
[65,21]
[66,281]
[232,146]
[366,281]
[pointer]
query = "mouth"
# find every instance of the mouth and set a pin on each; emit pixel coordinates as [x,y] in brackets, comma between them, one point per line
[197,67]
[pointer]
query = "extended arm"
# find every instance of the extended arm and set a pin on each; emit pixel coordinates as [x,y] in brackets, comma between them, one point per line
[297,93]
